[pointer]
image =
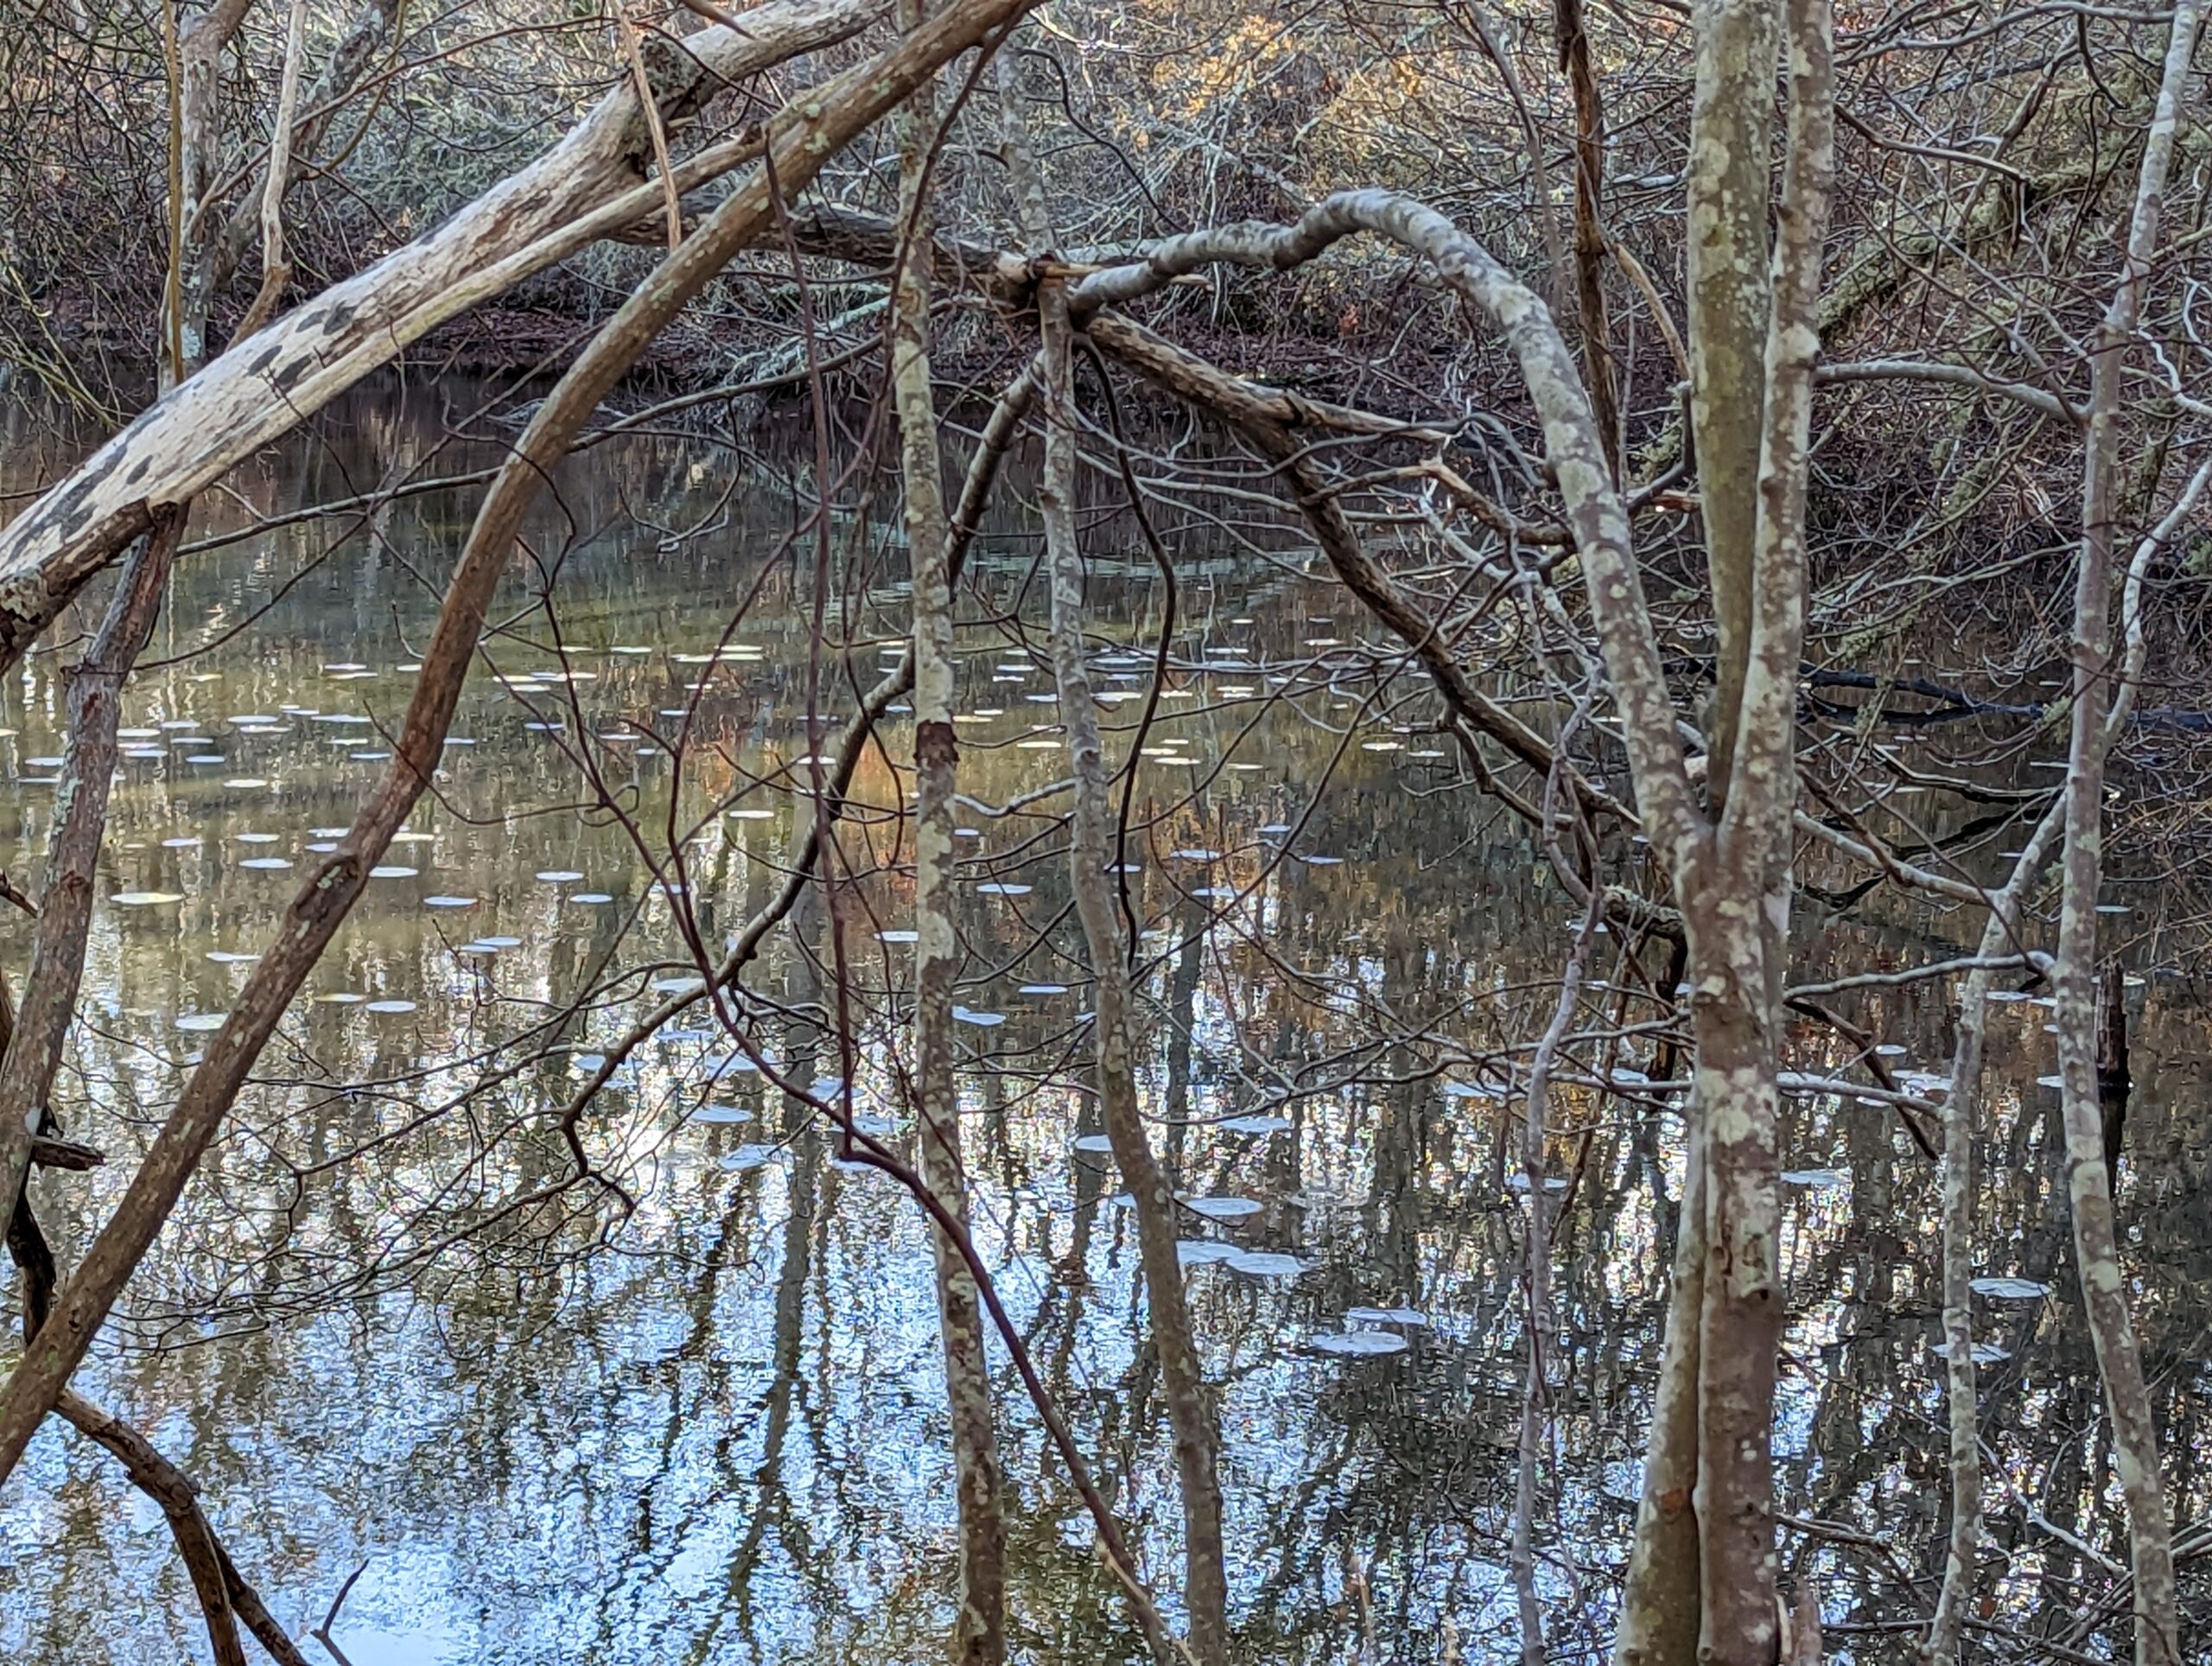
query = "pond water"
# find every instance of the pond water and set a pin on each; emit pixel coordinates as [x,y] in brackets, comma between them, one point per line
[398,1342]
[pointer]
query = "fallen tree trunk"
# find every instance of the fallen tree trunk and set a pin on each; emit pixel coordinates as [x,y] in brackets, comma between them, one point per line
[588,186]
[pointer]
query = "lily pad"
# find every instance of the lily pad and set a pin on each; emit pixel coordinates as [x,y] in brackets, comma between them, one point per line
[1263,1263]
[1387,1315]
[1222,1209]
[1359,1344]
[1202,1252]
[2011,1289]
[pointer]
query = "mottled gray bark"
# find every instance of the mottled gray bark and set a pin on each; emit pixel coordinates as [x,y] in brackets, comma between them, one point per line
[275,270]
[2001,935]
[979,1632]
[1090,848]
[2096,1250]
[200,42]
[1736,911]
[1729,181]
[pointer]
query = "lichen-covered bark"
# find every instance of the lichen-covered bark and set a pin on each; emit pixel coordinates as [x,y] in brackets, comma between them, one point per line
[200,42]
[2096,1250]
[1736,910]
[979,1631]
[1728,183]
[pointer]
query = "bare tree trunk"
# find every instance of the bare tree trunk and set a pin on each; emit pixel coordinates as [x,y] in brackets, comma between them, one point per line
[201,43]
[1732,121]
[341,72]
[1570,25]
[2096,1250]
[1736,912]
[1658,1623]
[1963,1112]
[1091,853]
[33,1049]
[821,123]
[275,270]
[979,1636]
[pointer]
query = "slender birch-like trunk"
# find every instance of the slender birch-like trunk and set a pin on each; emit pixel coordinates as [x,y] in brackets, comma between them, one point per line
[1090,846]
[979,1635]
[276,269]
[2096,1249]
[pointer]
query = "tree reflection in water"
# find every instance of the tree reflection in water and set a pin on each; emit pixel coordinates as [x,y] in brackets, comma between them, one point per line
[390,1327]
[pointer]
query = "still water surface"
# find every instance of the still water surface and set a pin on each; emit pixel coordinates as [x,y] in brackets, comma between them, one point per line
[390,1331]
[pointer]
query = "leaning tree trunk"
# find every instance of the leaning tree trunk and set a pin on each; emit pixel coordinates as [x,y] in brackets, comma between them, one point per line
[979,1634]
[32,1052]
